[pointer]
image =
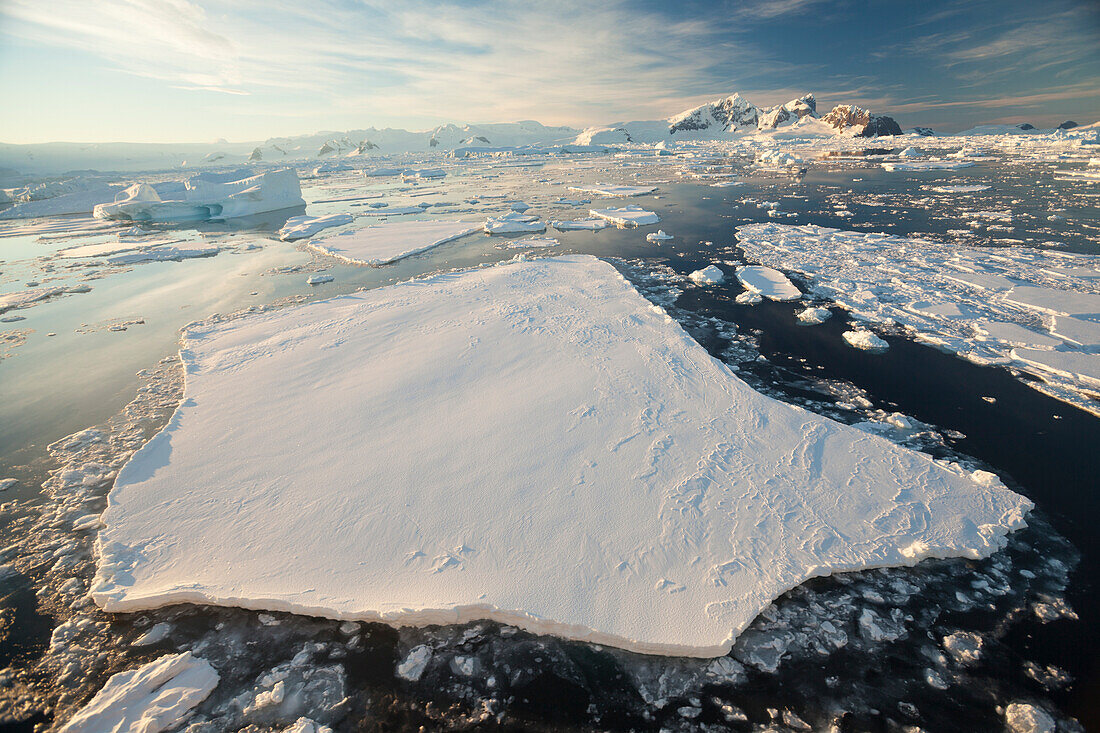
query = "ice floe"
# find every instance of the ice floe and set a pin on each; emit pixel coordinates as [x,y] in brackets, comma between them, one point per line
[391,241]
[865,340]
[303,227]
[628,216]
[154,697]
[458,444]
[206,196]
[1035,309]
[927,165]
[769,282]
[514,223]
[709,275]
[658,236]
[593,224]
[614,190]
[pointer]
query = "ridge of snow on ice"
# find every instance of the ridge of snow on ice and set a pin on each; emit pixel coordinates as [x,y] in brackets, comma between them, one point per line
[384,243]
[533,443]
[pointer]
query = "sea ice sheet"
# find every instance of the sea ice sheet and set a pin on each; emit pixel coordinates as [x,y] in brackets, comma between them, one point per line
[532,442]
[384,243]
[770,283]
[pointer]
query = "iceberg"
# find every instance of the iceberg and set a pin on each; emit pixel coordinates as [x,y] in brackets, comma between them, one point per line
[392,241]
[303,227]
[628,216]
[206,196]
[532,442]
[154,697]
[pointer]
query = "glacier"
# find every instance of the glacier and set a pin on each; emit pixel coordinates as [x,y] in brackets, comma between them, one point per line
[531,442]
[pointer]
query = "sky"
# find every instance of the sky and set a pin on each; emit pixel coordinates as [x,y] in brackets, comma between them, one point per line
[247,70]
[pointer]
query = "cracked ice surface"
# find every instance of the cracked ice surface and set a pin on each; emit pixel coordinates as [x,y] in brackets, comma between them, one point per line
[385,243]
[1037,310]
[533,443]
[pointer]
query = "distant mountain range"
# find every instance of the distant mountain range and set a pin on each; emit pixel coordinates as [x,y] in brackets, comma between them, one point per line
[726,118]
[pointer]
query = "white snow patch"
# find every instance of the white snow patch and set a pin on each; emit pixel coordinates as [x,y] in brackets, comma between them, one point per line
[770,283]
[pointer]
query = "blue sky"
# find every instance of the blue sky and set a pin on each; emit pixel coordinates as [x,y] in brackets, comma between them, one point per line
[197,70]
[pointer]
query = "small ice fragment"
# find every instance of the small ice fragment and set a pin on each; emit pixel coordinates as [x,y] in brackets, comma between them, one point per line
[159,632]
[621,191]
[813,316]
[865,340]
[385,243]
[964,647]
[594,224]
[412,667]
[1022,717]
[151,698]
[7,483]
[514,223]
[658,236]
[628,216]
[749,297]
[319,279]
[305,725]
[709,275]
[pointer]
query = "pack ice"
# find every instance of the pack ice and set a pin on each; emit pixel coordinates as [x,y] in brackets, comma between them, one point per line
[384,243]
[532,442]
[206,196]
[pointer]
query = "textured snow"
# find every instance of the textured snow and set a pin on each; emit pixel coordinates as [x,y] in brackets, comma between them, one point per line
[813,316]
[154,697]
[303,227]
[1038,309]
[865,340]
[770,283]
[206,196]
[384,243]
[534,443]
[628,216]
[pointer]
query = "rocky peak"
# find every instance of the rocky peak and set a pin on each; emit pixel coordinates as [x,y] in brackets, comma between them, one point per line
[860,122]
[792,111]
[724,115]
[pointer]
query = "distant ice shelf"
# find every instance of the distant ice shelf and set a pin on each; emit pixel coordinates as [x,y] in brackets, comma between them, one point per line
[532,442]
[385,243]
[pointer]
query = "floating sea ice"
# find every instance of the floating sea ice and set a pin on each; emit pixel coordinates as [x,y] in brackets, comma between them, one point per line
[514,223]
[749,297]
[78,202]
[499,508]
[25,298]
[813,316]
[7,483]
[911,152]
[303,227]
[109,248]
[530,242]
[658,236]
[385,243]
[154,697]
[628,216]
[163,254]
[727,184]
[770,283]
[319,279]
[305,725]
[960,189]
[614,190]
[1076,365]
[865,340]
[386,210]
[206,197]
[581,224]
[709,275]
[928,165]
[1022,717]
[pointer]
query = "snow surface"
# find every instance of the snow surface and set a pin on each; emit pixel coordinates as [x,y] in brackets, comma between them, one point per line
[628,216]
[709,275]
[772,284]
[865,340]
[532,442]
[154,697]
[391,241]
[303,227]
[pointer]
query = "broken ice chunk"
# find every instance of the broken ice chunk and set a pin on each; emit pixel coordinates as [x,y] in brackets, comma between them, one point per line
[302,227]
[772,284]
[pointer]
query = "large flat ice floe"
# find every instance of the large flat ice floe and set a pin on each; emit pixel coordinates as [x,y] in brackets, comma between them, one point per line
[532,442]
[1037,310]
[384,243]
[154,697]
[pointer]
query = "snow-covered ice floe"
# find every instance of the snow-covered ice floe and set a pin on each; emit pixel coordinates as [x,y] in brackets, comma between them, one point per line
[658,236]
[628,216]
[593,224]
[770,283]
[1037,310]
[206,196]
[529,242]
[514,223]
[864,340]
[927,165]
[532,442]
[970,188]
[303,227]
[154,697]
[709,275]
[614,190]
[385,243]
